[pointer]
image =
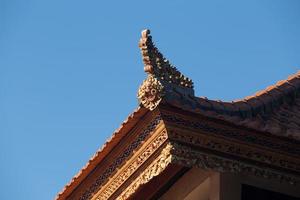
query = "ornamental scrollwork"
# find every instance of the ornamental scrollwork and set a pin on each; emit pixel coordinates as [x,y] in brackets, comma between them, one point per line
[186,156]
[156,64]
[157,166]
[151,92]
[230,148]
[119,178]
[102,179]
[243,136]
[163,79]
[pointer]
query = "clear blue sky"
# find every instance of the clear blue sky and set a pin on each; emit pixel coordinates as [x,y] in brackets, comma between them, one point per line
[70,70]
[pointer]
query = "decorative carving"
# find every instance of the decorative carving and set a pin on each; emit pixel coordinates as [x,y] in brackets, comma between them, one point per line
[189,157]
[150,92]
[283,165]
[243,136]
[157,166]
[233,149]
[119,178]
[156,64]
[162,78]
[120,160]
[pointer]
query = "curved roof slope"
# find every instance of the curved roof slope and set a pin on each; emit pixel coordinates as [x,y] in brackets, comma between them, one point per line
[274,110]
[128,124]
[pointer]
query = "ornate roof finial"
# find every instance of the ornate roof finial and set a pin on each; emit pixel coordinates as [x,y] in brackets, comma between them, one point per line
[163,78]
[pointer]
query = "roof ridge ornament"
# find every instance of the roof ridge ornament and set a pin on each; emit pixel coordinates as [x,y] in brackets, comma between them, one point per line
[164,81]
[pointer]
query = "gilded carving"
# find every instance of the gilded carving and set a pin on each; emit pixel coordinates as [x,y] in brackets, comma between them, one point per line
[186,156]
[157,166]
[216,154]
[239,150]
[243,136]
[120,178]
[101,180]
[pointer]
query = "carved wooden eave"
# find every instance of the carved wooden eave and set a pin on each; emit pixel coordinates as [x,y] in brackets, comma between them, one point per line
[173,131]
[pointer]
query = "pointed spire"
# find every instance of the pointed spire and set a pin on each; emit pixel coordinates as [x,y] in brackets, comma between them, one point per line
[163,79]
[155,63]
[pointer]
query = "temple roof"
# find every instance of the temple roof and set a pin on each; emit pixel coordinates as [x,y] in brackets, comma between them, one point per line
[274,110]
[110,143]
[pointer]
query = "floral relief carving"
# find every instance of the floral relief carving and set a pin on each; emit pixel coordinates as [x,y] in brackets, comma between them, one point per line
[189,157]
[270,158]
[120,178]
[151,92]
[255,139]
[101,180]
[163,79]
[157,166]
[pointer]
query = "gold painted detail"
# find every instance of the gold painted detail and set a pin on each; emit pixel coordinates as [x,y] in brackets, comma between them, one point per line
[157,166]
[120,177]
[258,140]
[120,160]
[186,156]
[259,155]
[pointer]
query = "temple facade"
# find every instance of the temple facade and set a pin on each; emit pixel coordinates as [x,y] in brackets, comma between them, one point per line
[176,146]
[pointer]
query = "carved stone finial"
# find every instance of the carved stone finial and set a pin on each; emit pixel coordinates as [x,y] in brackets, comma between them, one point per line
[163,78]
